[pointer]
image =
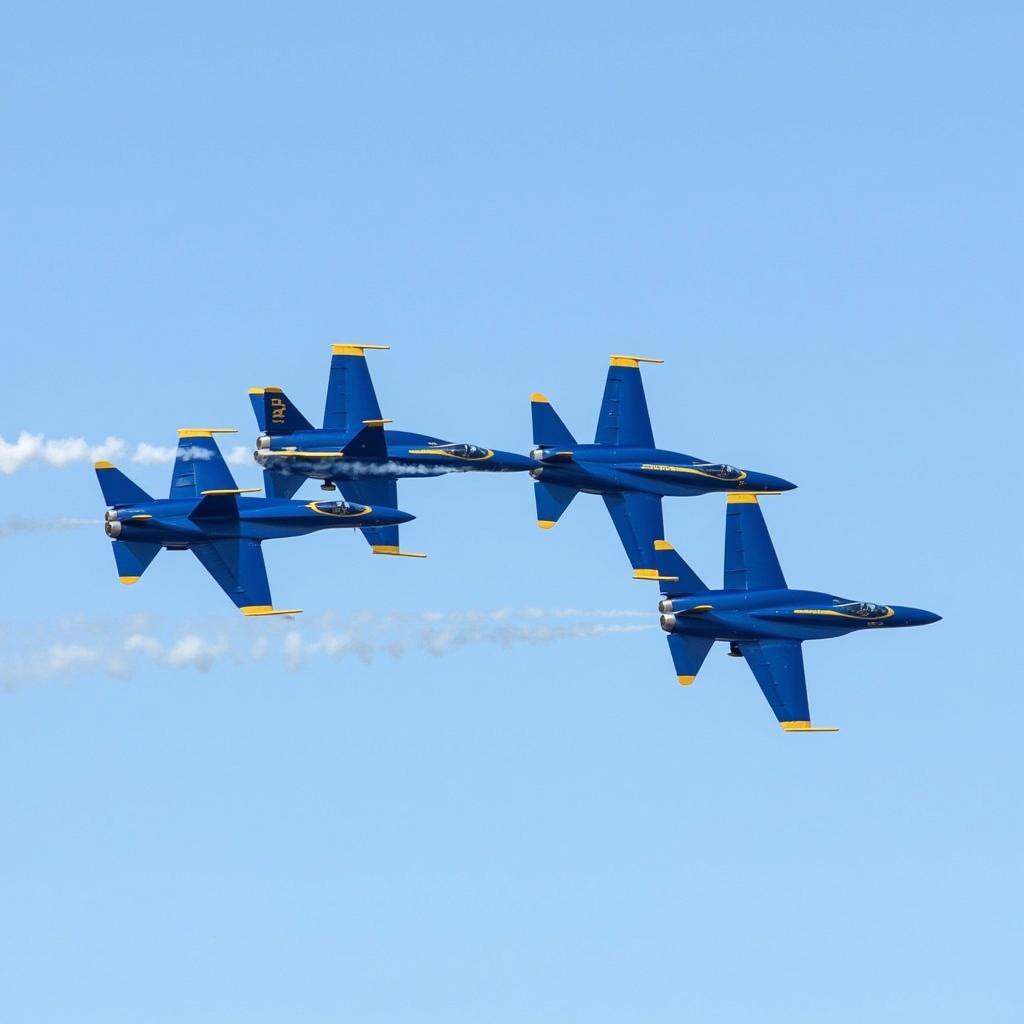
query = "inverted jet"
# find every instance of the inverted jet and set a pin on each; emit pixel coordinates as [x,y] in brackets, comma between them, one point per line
[760,618]
[624,466]
[353,451]
[206,514]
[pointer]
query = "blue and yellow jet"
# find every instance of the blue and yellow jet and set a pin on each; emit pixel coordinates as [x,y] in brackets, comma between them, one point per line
[624,466]
[353,450]
[205,514]
[758,615]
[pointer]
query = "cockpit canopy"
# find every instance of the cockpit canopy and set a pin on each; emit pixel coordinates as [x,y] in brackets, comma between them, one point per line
[464,451]
[719,470]
[862,609]
[340,508]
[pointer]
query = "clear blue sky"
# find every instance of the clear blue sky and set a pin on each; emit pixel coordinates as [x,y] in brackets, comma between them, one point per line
[813,213]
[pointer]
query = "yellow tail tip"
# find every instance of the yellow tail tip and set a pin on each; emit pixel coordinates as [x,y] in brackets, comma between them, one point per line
[129,580]
[251,610]
[631,361]
[685,680]
[663,545]
[538,397]
[103,465]
[807,727]
[205,431]
[546,524]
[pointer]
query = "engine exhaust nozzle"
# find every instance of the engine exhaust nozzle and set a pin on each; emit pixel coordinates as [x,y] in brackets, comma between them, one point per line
[668,623]
[112,528]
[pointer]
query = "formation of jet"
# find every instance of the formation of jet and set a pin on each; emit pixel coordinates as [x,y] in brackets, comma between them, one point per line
[206,514]
[624,466]
[755,612]
[353,451]
[760,618]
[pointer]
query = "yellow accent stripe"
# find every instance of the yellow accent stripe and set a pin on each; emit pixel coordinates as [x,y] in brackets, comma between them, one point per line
[313,505]
[232,490]
[392,549]
[538,397]
[251,610]
[685,680]
[356,350]
[746,497]
[632,361]
[652,467]
[889,613]
[304,455]
[807,727]
[129,580]
[451,455]
[103,465]
[205,431]
[546,524]
[141,515]
[663,545]
[257,391]
[645,574]
[376,423]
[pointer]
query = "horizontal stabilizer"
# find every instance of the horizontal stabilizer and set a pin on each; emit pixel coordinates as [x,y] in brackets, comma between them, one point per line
[393,549]
[132,558]
[118,490]
[275,413]
[688,654]
[677,578]
[548,429]
[552,501]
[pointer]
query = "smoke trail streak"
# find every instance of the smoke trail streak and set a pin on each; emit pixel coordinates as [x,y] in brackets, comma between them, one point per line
[59,453]
[18,525]
[78,647]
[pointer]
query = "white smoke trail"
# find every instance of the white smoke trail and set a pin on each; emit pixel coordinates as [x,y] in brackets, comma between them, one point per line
[17,525]
[72,649]
[59,453]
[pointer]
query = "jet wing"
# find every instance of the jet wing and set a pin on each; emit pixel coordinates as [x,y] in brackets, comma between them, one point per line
[237,566]
[624,421]
[199,465]
[350,395]
[379,491]
[778,667]
[638,519]
[750,559]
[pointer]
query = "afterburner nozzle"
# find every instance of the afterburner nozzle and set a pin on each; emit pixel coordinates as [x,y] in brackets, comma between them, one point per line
[668,623]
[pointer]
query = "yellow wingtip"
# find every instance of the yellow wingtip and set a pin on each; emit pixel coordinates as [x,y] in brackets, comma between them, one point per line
[807,727]
[663,545]
[546,524]
[538,397]
[103,465]
[685,680]
[129,580]
[393,549]
[631,361]
[645,574]
[251,610]
[205,431]
[356,350]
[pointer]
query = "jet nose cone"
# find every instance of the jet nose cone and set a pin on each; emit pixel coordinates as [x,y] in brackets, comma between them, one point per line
[767,482]
[915,617]
[398,516]
[391,516]
[511,462]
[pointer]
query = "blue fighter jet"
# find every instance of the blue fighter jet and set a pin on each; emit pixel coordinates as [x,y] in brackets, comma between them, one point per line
[624,466]
[758,615]
[353,450]
[204,514]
